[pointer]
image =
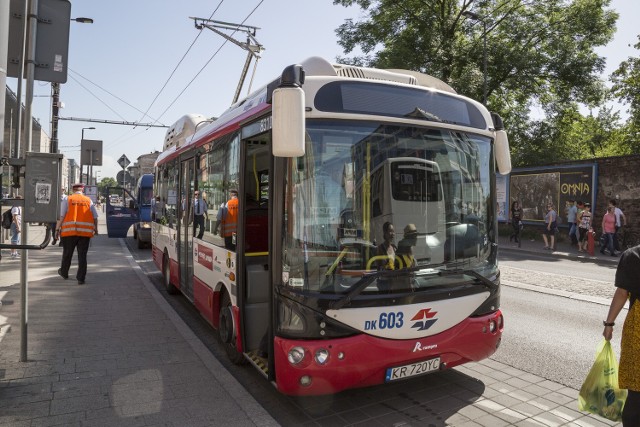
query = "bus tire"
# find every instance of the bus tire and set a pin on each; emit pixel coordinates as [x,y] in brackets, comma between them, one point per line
[226,330]
[141,244]
[166,276]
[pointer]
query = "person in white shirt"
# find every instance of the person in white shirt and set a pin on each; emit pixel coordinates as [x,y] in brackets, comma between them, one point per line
[620,221]
[199,213]
[63,198]
[16,215]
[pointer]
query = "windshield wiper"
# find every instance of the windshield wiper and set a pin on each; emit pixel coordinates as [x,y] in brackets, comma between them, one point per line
[362,284]
[419,113]
[468,272]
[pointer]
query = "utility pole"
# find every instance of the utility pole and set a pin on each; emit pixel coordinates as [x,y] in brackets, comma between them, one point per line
[55,108]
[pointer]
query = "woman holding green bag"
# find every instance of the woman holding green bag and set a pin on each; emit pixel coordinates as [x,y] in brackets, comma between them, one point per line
[628,288]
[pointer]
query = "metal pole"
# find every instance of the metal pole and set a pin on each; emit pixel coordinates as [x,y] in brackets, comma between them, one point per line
[55,110]
[30,66]
[90,177]
[4,45]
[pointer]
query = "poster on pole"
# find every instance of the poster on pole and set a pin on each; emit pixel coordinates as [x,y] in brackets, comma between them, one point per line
[536,188]
[91,191]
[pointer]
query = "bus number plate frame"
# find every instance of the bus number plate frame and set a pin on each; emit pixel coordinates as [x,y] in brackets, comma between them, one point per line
[412,370]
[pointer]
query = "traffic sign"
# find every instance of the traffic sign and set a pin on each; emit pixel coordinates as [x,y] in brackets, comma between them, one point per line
[123,161]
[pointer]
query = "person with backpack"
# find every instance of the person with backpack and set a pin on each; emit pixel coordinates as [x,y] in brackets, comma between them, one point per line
[16,222]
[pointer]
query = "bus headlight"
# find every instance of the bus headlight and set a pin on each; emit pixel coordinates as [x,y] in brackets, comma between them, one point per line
[296,355]
[322,355]
[146,225]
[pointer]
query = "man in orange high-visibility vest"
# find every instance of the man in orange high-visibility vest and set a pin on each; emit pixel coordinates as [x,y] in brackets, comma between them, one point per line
[228,220]
[77,224]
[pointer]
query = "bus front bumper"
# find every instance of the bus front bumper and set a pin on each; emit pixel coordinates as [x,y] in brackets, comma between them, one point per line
[363,360]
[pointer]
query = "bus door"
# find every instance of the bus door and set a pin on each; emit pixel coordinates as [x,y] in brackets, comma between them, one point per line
[185,226]
[253,241]
[121,211]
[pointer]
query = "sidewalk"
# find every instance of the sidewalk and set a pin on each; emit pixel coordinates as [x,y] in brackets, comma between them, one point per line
[110,352]
[563,249]
[113,353]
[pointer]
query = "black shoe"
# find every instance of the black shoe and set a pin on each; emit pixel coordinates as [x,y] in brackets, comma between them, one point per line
[54,242]
[64,276]
[80,282]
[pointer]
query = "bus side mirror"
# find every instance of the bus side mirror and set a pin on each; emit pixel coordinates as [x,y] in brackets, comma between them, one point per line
[288,106]
[503,156]
[288,125]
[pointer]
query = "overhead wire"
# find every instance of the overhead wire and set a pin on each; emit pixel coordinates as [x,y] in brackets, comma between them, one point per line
[108,92]
[207,63]
[176,68]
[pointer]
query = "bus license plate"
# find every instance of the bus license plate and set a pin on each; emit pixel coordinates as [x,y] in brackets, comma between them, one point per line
[406,371]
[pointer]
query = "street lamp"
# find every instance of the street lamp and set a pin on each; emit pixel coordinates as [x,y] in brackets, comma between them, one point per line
[90,160]
[476,17]
[83,20]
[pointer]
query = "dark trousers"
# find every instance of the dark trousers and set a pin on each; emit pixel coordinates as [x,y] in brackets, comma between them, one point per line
[198,222]
[69,245]
[631,411]
[616,243]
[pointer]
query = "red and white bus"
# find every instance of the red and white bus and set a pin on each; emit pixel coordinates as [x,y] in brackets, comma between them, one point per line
[321,159]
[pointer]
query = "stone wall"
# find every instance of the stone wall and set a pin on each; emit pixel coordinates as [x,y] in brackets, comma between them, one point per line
[618,178]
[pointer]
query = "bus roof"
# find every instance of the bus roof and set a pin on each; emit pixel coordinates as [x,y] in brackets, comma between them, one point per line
[187,131]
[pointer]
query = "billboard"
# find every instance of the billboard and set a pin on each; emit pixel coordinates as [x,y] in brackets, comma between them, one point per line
[535,188]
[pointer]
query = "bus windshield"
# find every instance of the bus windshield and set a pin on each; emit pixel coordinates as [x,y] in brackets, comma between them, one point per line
[396,201]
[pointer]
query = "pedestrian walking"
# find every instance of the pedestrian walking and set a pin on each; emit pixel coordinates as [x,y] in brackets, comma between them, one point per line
[516,220]
[628,288]
[621,220]
[54,225]
[572,218]
[78,223]
[608,231]
[584,227]
[550,222]
[16,224]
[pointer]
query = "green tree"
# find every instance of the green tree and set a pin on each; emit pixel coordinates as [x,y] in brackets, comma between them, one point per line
[539,54]
[104,183]
[626,86]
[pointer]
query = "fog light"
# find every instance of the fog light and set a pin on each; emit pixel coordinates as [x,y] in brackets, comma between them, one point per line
[296,355]
[305,381]
[492,326]
[322,355]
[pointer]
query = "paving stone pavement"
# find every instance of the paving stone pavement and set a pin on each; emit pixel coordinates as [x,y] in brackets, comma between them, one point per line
[113,353]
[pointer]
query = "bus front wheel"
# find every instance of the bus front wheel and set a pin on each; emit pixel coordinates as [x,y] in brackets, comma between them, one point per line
[166,275]
[226,328]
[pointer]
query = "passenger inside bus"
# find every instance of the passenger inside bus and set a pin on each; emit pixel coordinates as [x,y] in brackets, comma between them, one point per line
[387,248]
[405,246]
[227,220]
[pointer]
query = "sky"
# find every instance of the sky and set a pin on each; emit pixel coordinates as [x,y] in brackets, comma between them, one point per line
[119,65]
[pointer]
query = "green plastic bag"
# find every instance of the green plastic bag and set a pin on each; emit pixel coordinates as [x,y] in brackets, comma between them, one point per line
[600,393]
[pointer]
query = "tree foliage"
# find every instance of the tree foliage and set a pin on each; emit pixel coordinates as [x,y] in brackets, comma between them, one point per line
[540,57]
[106,182]
[626,86]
